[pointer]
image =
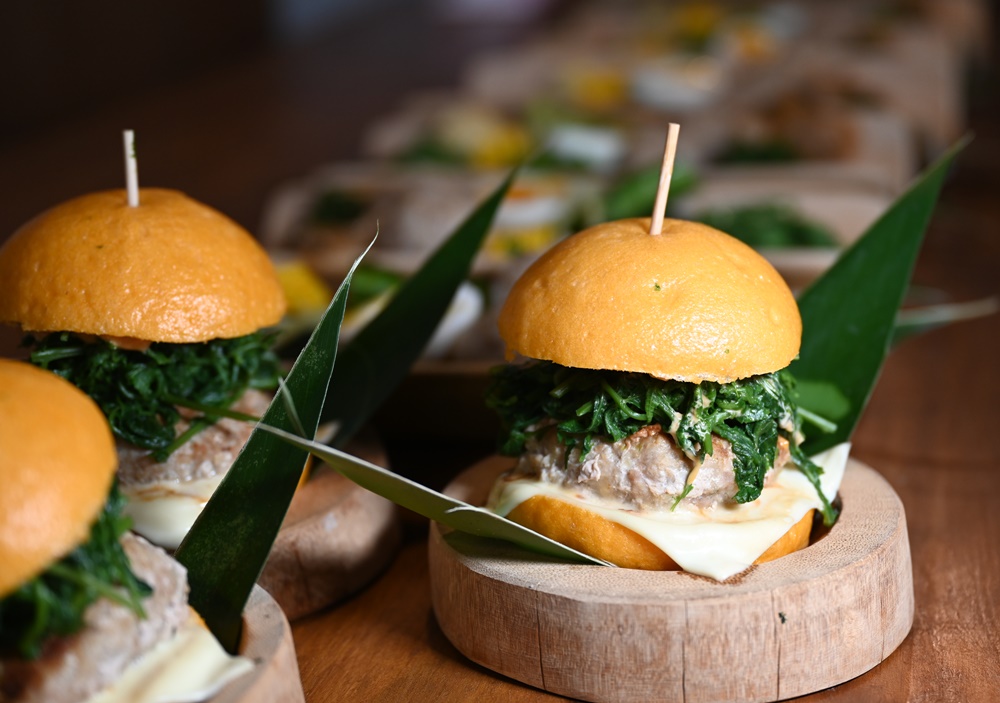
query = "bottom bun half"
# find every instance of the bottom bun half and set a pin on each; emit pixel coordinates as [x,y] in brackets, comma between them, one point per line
[590,533]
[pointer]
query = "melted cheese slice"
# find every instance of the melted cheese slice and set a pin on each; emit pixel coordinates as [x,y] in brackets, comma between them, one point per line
[191,667]
[164,512]
[717,542]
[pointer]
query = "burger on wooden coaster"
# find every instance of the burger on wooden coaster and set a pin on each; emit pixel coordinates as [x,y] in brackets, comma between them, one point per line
[159,310]
[655,427]
[88,610]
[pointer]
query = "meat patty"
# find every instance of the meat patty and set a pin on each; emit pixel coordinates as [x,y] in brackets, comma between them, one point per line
[210,452]
[645,471]
[73,668]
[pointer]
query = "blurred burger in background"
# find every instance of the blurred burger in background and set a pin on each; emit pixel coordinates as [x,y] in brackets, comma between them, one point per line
[82,600]
[157,312]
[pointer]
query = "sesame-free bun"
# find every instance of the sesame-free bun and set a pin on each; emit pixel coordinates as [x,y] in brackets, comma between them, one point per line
[691,304]
[590,533]
[57,461]
[168,270]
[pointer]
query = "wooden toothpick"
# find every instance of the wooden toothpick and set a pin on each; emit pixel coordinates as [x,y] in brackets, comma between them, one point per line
[131,169]
[666,172]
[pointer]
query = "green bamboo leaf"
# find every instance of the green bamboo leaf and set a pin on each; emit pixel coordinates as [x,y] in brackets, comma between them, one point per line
[822,398]
[848,315]
[378,358]
[916,321]
[431,504]
[229,543]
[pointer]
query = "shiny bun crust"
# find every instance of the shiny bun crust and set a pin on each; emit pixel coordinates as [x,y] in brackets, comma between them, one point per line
[57,461]
[169,270]
[691,304]
[592,534]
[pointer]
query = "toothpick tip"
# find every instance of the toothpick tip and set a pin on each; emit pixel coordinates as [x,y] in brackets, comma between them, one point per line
[131,168]
[666,172]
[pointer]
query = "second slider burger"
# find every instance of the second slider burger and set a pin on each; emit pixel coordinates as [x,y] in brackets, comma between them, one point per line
[655,424]
[88,611]
[156,312]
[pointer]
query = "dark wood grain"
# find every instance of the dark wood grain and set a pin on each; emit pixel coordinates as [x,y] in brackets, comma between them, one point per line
[228,136]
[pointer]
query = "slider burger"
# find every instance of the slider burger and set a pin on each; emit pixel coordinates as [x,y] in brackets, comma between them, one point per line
[155,312]
[655,424]
[88,611]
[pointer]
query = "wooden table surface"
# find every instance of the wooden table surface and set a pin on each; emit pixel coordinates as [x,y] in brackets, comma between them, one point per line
[232,134]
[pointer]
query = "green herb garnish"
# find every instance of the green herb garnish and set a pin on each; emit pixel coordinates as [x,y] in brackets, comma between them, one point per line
[431,151]
[763,152]
[53,603]
[139,391]
[337,207]
[682,496]
[768,226]
[370,282]
[585,405]
[547,161]
[633,195]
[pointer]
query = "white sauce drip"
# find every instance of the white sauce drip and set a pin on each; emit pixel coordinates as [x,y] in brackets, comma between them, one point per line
[163,512]
[190,667]
[717,542]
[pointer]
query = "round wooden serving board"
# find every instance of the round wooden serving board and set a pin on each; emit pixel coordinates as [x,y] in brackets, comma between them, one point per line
[799,624]
[267,640]
[335,538]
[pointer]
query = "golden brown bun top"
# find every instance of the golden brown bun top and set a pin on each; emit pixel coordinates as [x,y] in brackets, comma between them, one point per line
[169,270]
[57,460]
[692,304]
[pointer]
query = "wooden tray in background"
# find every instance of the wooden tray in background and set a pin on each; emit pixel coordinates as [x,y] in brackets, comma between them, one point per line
[335,539]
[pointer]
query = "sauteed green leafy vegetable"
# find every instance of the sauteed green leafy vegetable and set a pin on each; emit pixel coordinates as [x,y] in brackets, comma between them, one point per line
[585,405]
[140,391]
[53,603]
